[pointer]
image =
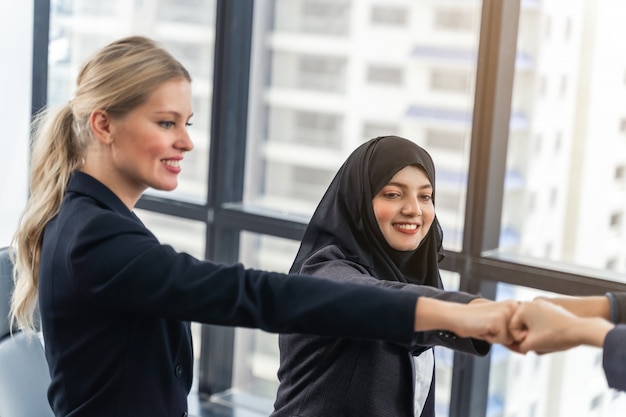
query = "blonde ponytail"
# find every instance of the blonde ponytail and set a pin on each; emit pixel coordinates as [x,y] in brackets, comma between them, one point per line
[55,155]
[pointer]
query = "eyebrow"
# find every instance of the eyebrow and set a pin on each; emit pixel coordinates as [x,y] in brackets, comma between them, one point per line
[172,112]
[403,185]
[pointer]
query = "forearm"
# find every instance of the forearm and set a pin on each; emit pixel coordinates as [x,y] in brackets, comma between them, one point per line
[590,331]
[590,306]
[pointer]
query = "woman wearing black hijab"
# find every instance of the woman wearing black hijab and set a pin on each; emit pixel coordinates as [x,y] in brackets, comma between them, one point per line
[376,224]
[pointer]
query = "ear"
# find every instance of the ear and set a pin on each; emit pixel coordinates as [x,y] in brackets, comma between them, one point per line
[100,123]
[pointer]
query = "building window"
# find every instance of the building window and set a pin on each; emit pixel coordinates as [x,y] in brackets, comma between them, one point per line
[457,20]
[547,29]
[558,142]
[563,86]
[568,28]
[615,222]
[620,176]
[385,75]
[325,16]
[392,16]
[595,403]
[451,81]
[318,128]
[374,130]
[321,73]
[446,140]
[553,197]
[611,264]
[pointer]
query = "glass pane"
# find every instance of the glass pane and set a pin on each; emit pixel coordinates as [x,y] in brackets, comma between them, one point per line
[331,74]
[15,107]
[565,197]
[565,384]
[186,28]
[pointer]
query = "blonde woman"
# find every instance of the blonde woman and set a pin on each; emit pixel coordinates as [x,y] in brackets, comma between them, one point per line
[114,302]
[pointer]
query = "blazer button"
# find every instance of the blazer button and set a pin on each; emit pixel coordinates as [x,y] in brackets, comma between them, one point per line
[178,370]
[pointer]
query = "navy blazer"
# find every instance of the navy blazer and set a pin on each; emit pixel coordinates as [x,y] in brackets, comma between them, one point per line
[339,377]
[115,306]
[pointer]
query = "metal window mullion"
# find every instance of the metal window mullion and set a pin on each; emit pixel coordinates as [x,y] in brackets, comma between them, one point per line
[485,188]
[41,39]
[233,38]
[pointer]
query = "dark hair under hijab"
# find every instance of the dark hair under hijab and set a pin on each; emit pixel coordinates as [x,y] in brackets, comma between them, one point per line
[345,216]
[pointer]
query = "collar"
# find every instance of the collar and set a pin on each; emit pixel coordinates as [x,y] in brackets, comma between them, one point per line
[87,185]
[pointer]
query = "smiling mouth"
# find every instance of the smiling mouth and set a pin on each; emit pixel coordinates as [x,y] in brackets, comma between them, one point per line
[405,226]
[171,163]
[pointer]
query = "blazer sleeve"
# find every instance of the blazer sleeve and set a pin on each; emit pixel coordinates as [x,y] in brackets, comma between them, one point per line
[614,357]
[120,265]
[330,263]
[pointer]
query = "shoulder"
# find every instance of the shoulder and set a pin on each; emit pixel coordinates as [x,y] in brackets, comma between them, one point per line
[332,262]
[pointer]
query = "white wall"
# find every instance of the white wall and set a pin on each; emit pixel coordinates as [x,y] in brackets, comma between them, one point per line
[16,39]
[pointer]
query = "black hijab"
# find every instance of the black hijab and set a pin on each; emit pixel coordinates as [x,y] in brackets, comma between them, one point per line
[345,216]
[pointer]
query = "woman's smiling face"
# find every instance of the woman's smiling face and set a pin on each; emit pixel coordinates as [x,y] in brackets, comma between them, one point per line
[404,208]
[146,146]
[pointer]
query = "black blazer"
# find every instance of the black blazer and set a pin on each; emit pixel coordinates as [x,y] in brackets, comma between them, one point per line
[339,377]
[115,306]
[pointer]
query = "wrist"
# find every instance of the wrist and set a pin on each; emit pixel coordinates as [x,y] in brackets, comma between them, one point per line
[591,331]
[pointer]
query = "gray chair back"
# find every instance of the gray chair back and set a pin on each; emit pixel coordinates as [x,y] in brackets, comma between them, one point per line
[24,376]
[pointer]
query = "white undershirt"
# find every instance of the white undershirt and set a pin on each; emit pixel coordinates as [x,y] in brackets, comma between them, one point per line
[424,364]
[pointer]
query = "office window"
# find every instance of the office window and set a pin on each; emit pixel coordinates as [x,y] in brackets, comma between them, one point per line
[569,168]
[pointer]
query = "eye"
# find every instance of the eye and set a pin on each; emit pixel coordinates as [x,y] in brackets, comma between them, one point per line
[426,197]
[166,124]
[188,124]
[391,194]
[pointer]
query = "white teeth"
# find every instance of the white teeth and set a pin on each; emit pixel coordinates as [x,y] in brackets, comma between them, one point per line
[171,163]
[406,226]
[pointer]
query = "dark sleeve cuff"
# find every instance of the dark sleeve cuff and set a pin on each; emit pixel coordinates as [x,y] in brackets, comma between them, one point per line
[614,315]
[614,357]
[620,302]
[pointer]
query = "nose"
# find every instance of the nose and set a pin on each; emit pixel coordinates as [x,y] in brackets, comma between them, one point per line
[184,141]
[412,207]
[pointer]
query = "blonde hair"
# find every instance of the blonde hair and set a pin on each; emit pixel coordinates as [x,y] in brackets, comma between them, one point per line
[117,79]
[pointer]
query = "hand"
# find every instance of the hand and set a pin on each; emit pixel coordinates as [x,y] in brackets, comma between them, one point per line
[480,319]
[487,320]
[544,327]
